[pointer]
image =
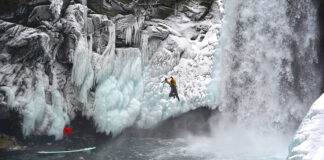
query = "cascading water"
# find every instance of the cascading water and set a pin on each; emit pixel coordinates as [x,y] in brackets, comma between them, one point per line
[266,80]
[268,62]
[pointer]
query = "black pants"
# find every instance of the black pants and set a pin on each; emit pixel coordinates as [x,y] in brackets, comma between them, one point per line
[174,92]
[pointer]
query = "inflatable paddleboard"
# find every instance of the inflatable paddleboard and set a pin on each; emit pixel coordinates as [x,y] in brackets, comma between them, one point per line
[68,151]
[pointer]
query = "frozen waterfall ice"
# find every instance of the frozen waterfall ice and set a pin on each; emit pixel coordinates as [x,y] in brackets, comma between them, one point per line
[119,95]
[127,81]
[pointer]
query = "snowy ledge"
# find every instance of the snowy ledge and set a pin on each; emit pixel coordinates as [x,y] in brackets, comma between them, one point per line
[308,142]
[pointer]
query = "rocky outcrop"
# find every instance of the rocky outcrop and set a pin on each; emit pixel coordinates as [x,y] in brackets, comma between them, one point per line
[8,143]
[19,43]
[20,11]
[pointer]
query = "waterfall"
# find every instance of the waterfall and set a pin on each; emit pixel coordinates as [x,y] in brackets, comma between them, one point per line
[268,64]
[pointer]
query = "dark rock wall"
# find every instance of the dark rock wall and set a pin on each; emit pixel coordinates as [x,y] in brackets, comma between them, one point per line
[321,36]
[18,11]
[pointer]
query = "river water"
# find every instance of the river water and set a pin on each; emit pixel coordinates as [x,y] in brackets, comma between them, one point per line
[229,143]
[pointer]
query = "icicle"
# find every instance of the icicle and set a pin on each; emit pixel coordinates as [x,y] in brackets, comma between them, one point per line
[176,9]
[34,110]
[58,118]
[85,16]
[82,71]
[129,36]
[132,33]
[119,79]
[144,47]
[108,55]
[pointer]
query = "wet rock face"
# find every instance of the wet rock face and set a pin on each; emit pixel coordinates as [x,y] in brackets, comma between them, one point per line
[160,9]
[14,10]
[38,14]
[50,44]
[17,47]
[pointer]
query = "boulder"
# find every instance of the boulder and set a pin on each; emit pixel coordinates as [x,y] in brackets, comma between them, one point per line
[23,43]
[18,11]
[9,143]
[100,32]
[40,13]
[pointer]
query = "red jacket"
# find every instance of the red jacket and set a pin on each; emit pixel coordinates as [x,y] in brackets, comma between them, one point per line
[67,131]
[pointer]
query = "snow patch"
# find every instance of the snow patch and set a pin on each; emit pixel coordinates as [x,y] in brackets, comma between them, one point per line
[308,142]
[56,7]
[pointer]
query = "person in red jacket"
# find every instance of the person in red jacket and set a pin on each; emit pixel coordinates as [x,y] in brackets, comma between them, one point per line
[67,131]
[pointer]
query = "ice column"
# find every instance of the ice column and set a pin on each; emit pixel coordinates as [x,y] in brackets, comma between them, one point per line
[57,112]
[82,71]
[34,110]
[133,32]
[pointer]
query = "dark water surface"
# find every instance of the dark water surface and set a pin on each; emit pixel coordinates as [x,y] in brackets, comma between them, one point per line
[132,148]
[168,141]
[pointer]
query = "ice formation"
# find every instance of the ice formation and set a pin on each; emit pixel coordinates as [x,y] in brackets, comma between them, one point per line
[41,117]
[35,107]
[82,72]
[117,103]
[133,32]
[57,111]
[308,142]
[10,96]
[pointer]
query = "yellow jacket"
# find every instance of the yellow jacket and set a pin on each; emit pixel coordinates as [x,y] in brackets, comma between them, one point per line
[172,80]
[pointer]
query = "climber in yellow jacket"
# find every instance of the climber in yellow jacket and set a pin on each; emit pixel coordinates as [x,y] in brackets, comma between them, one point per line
[173,85]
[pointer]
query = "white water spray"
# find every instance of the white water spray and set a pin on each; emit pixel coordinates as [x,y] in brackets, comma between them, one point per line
[261,68]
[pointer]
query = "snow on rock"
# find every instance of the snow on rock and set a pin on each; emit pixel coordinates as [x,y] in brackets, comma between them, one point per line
[56,7]
[308,142]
